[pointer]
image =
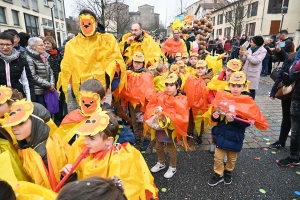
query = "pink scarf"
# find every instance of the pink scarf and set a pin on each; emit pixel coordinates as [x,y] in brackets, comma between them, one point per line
[43,58]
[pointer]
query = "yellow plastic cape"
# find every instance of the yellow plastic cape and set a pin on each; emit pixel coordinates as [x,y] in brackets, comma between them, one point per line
[159,83]
[217,85]
[123,161]
[34,167]
[10,164]
[215,63]
[30,191]
[148,46]
[91,57]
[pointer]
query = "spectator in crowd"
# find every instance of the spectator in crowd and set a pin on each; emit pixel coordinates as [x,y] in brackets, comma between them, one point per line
[14,69]
[40,68]
[227,44]
[285,43]
[219,48]
[294,158]
[54,60]
[265,63]
[243,39]
[253,58]
[271,46]
[16,44]
[62,49]
[283,77]
[24,37]
[235,48]
[211,45]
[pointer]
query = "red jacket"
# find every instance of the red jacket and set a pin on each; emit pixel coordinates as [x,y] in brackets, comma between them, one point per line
[227,45]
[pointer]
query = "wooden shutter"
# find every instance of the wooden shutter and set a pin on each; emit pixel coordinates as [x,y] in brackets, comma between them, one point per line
[275,26]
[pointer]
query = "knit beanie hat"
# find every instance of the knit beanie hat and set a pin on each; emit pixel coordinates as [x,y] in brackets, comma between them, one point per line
[258,40]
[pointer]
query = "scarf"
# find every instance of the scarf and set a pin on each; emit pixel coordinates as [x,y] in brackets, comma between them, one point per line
[13,56]
[255,49]
[43,58]
[53,52]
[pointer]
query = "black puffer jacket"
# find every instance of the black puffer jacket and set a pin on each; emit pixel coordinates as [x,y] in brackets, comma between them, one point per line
[16,68]
[41,72]
[54,62]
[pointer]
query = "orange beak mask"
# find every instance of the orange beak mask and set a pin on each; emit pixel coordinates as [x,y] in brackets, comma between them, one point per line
[88,24]
[89,102]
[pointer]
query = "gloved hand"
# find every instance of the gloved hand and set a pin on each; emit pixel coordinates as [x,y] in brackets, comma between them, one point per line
[286,80]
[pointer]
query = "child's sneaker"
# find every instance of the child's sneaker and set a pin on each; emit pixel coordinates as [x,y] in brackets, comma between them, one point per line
[288,161]
[170,173]
[215,180]
[276,145]
[158,167]
[227,177]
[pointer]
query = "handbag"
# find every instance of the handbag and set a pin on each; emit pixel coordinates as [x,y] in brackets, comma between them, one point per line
[153,123]
[51,99]
[285,92]
[275,72]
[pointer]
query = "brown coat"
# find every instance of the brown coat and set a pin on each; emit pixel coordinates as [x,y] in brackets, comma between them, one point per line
[253,65]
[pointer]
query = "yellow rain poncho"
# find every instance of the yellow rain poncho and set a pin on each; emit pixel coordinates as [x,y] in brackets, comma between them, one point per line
[123,161]
[91,57]
[148,47]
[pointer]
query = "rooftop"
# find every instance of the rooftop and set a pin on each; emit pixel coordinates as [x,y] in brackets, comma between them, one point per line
[146,5]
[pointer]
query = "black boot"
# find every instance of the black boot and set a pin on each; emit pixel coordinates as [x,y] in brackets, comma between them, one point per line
[199,139]
[191,134]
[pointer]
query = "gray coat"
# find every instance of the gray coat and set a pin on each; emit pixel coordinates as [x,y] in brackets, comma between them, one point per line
[253,66]
[41,72]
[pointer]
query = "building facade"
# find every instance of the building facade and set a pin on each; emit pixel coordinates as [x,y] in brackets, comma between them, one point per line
[260,17]
[117,18]
[146,16]
[201,7]
[34,17]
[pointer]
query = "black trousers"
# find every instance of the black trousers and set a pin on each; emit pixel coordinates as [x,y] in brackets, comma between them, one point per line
[286,121]
[295,122]
[252,94]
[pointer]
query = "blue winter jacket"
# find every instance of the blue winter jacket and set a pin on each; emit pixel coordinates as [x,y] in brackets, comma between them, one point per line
[230,135]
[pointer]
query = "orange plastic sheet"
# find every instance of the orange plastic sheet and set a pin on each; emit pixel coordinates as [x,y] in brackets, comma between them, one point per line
[176,108]
[245,107]
[171,47]
[123,161]
[140,88]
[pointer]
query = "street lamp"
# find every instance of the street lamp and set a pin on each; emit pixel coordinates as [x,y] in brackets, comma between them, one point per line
[284,8]
[51,4]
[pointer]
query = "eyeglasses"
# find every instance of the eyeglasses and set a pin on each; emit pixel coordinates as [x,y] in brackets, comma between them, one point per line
[5,45]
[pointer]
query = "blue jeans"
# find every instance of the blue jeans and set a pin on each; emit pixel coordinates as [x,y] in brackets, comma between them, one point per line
[295,131]
[265,66]
[40,99]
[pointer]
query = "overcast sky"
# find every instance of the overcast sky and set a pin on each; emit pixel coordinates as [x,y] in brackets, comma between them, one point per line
[166,8]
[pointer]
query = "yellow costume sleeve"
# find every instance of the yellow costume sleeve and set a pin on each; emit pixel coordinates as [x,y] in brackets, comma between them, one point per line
[215,63]
[10,164]
[30,191]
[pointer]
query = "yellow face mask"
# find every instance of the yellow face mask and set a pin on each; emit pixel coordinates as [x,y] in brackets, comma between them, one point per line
[5,94]
[95,123]
[88,24]
[89,102]
[20,112]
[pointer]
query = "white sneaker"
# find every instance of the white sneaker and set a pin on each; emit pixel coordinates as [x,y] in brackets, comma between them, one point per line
[158,167]
[225,158]
[170,173]
[290,134]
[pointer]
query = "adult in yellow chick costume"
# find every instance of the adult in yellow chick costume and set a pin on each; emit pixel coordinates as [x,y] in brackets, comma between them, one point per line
[106,159]
[139,41]
[91,55]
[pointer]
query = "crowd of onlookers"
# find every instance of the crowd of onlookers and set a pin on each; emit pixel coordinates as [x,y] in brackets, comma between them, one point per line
[31,65]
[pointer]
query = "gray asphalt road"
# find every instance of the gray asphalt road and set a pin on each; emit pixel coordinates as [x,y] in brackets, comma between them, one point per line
[196,168]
